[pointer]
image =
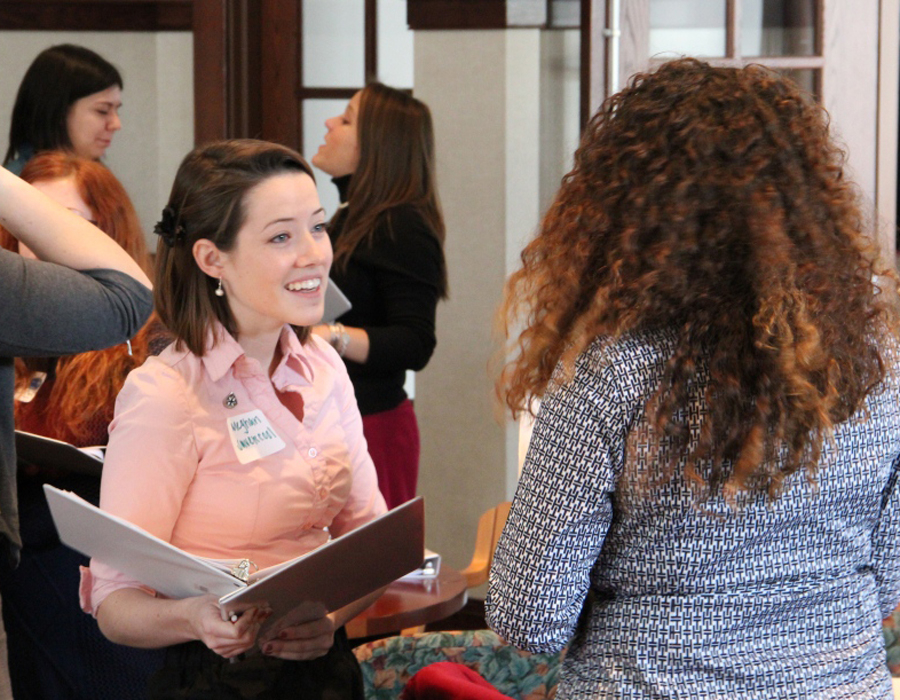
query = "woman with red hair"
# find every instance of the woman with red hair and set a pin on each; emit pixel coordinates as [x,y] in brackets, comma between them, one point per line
[54,650]
[75,401]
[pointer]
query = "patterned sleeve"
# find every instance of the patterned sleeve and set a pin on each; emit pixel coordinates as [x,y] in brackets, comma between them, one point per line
[561,512]
[886,545]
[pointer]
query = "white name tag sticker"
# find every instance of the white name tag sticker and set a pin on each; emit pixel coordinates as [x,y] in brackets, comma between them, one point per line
[252,436]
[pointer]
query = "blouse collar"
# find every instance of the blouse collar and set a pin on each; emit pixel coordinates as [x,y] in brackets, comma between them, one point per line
[224,352]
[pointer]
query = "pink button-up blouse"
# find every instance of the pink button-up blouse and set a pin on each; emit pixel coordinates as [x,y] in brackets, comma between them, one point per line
[172,468]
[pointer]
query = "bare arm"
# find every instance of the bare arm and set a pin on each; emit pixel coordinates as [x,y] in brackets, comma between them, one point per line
[57,235]
[132,617]
[357,347]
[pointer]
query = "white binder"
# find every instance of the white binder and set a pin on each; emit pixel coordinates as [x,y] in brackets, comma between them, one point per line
[337,573]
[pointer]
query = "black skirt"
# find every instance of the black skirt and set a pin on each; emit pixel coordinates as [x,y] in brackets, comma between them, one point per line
[192,671]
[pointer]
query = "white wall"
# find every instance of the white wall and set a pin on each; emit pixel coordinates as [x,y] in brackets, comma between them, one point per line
[461,75]
[158,104]
[560,91]
[505,107]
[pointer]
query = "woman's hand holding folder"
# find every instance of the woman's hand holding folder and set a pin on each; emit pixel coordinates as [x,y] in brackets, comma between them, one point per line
[158,622]
[229,637]
[303,641]
[308,632]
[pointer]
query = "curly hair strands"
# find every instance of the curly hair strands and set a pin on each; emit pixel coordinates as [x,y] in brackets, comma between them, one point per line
[711,201]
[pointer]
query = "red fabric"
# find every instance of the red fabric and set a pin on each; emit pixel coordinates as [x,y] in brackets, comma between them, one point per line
[393,439]
[447,680]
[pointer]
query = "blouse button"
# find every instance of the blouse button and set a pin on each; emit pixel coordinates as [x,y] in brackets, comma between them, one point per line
[313,452]
[323,493]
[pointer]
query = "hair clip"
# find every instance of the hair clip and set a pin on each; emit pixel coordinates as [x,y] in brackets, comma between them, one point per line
[169,229]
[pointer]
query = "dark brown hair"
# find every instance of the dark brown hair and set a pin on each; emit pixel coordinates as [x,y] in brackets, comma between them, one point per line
[713,202]
[208,201]
[396,167]
[55,80]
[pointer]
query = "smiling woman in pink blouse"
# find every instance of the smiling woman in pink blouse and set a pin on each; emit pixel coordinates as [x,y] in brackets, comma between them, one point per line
[243,263]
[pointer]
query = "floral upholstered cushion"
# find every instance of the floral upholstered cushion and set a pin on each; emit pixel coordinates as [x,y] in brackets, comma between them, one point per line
[891,629]
[387,664]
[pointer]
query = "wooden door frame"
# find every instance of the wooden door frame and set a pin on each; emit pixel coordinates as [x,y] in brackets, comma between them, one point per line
[96,15]
[244,50]
[234,67]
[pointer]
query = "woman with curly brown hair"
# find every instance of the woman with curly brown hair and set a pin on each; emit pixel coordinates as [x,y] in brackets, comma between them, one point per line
[707,508]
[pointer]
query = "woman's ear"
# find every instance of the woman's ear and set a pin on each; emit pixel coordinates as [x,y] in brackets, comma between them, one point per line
[209,258]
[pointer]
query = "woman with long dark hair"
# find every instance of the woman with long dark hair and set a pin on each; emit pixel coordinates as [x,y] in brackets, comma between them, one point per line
[69,99]
[388,240]
[708,507]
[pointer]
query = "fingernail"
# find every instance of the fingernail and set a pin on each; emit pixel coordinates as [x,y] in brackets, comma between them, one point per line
[267,649]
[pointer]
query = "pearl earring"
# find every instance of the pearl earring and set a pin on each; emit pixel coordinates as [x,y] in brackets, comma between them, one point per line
[219,291]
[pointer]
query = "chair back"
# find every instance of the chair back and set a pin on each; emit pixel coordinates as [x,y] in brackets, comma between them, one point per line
[490,526]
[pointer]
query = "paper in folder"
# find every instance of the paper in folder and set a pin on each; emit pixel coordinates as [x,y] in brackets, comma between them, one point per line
[337,573]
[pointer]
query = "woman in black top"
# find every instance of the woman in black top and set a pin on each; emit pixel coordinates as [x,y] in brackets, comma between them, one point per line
[388,239]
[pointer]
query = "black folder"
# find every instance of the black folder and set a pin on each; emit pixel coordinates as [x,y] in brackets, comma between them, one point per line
[46,452]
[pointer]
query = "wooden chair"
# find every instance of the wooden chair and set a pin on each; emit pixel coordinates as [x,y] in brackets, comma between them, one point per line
[490,525]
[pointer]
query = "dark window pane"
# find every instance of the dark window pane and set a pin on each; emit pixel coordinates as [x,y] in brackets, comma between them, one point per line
[806,78]
[779,28]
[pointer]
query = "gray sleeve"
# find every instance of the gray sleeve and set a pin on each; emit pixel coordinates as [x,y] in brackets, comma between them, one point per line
[48,309]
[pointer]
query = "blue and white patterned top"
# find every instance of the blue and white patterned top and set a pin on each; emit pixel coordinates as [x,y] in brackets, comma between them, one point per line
[781,600]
